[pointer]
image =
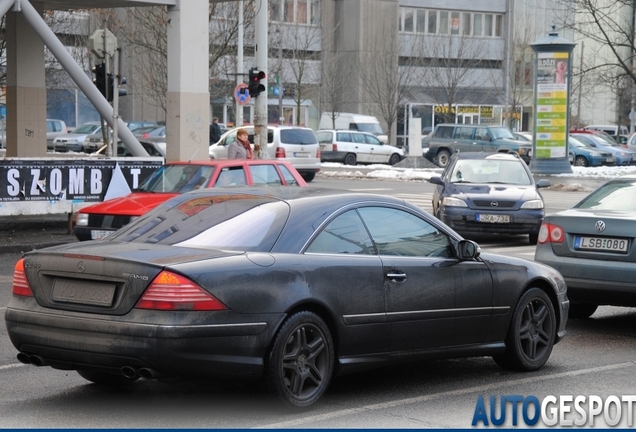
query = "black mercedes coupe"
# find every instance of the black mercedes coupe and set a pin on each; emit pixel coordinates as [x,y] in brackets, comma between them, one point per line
[288,287]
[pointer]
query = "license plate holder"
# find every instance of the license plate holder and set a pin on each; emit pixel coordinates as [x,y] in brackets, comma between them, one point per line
[87,293]
[492,218]
[604,244]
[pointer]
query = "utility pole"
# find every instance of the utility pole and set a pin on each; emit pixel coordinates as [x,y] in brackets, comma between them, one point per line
[260,102]
[238,115]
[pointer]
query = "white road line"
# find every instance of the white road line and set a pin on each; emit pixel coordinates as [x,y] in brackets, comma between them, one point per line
[11,366]
[465,391]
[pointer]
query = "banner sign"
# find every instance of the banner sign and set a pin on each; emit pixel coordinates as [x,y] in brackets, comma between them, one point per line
[71,180]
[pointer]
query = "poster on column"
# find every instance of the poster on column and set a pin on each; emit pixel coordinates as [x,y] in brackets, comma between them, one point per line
[552,104]
[69,181]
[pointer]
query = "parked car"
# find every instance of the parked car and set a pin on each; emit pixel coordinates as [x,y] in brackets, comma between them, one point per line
[353,121]
[631,142]
[523,136]
[74,141]
[622,156]
[489,193]
[612,130]
[587,155]
[96,221]
[351,147]
[157,132]
[294,144]
[449,138]
[593,246]
[289,286]
[54,128]
[153,148]
[95,141]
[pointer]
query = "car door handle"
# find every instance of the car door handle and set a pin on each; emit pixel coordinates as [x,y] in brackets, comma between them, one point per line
[396,276]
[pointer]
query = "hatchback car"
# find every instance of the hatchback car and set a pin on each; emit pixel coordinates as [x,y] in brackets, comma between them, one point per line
[286,286]
[74,141]
[99,220]
[622,155]
[351,147]
[489,193]
[587,155]
[294,144]
[593,245]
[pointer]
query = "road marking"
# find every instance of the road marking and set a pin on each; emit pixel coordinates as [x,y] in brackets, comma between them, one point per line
[478,389]
[11,366]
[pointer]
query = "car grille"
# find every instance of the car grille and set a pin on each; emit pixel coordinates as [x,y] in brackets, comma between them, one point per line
[108,221]
[500,204]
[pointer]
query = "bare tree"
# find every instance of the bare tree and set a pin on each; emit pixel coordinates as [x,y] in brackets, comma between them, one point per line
[333,71]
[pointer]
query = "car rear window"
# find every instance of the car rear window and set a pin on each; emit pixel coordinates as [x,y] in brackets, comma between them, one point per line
[298,136]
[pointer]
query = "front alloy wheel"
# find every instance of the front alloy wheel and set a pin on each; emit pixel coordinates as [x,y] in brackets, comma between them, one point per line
[300,363]
[531,334]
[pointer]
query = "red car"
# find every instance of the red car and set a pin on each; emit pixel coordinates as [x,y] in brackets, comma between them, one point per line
[96,221]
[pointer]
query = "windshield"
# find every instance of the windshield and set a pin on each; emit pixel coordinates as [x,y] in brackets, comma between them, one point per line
[86,129]
[490,171]
[374,128]
[615,195]
[177,178]
[230,222]
[501,132]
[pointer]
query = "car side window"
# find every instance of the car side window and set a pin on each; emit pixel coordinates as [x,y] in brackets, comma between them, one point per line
[265,175]
[230,138]
[358,138]
[373,140]
[343,137]
[481,134]
[345,234]
[231,176]
[444,132]
[463,132]
[288,176]
[398,232]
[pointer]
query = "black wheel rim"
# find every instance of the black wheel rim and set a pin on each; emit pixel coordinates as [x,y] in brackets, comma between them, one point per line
[535,329]
[305,362]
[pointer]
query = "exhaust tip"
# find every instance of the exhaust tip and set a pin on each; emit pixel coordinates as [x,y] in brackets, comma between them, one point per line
[36,360]
[129,371]
[146,373]
[23,358]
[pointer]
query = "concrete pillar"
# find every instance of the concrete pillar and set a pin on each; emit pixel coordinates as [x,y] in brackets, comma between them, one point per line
[26,90]
[188,97]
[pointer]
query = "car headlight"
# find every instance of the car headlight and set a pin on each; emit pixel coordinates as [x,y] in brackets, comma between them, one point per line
[81,219]
[532,204]
[453,202]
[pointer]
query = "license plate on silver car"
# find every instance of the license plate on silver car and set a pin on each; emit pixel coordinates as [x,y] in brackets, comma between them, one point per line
[492,218]
[301,155]
[601,244]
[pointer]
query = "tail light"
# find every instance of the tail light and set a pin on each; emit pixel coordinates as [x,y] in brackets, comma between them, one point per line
[550,233]
[20,284]
[170,291]
[334,147]
[280,153]
[146,135]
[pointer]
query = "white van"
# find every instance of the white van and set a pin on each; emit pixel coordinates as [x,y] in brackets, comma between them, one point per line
[612,130]
[350,121]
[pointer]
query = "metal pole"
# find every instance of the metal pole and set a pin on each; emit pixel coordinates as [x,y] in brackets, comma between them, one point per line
[239,64]
[116,59]
[260,102]
[281,117]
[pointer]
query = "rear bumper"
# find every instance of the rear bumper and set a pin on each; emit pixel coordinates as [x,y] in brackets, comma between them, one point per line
[462,219]
[74,341]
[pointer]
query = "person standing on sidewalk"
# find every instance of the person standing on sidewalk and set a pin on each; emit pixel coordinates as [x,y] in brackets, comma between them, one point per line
[241,148]
[215,131]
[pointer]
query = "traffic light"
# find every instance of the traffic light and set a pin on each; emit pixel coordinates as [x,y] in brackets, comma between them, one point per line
[255,87]
[122,81]
[100,77]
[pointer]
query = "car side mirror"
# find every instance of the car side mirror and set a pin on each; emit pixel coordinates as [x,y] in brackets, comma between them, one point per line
[543,183]
[436,180]
[468,250]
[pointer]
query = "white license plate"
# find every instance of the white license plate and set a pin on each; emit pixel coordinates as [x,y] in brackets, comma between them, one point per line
[610,160]
[99,234]
[301,155]
[492,218]
[601,243]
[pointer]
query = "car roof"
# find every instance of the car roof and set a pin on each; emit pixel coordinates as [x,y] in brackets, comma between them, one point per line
[486,156]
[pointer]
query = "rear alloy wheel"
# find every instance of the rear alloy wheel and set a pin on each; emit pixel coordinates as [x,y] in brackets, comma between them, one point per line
[103,378]
[350,159]
[531,334]
[443,157]
[301,361]
[395,158]
[580,161]
[308,177]
[581,310]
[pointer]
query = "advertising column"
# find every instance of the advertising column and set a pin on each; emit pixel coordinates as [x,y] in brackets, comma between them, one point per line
[552,105]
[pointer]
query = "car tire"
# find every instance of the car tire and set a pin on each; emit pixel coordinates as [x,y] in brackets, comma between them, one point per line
[533,238]
[103,378]
[350,159]
[301,361]
[581,310]
[531,334]
[308,177]
[442,159]
[394,159]
[580,161]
